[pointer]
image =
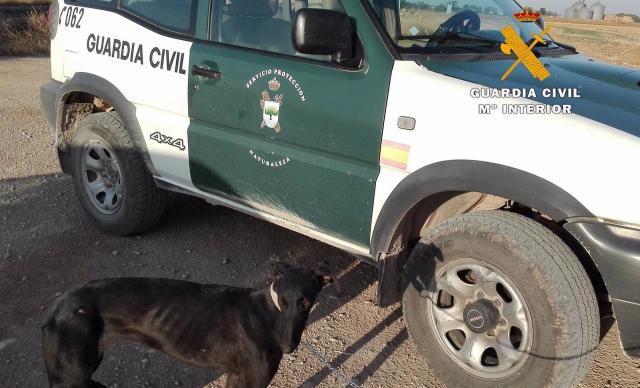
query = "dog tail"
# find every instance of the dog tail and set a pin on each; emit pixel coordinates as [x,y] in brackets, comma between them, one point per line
[71,340]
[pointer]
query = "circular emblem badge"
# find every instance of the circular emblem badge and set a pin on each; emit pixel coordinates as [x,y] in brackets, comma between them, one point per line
[475,319]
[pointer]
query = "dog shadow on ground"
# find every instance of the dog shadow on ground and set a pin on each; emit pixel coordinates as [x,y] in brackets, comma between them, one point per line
[49,246]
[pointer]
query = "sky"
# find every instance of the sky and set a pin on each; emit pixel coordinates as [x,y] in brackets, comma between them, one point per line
[612,6]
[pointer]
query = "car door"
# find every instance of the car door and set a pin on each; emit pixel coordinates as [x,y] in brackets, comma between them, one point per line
[294,136]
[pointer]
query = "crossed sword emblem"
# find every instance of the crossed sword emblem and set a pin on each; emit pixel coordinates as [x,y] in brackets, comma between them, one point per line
[525,54]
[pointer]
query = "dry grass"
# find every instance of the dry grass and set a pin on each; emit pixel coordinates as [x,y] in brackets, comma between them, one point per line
[608,42]
[33,39]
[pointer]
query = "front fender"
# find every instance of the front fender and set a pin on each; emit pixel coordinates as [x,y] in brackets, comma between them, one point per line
[100,87]
[471,176]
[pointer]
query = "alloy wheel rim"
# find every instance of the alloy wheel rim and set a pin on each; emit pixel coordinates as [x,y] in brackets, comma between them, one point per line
[102,177]
[480,319]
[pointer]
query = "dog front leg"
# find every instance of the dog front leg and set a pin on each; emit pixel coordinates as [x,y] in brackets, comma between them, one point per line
[258,375]
[235,381]
[247,381]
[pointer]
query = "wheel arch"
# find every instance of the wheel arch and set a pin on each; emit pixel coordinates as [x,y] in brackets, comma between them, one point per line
[459,186]
[84,94]
[433,185]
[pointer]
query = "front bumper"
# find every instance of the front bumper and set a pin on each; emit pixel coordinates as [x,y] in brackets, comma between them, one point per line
[616,251]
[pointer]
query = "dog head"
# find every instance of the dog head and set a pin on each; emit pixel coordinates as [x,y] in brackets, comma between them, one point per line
[293,294]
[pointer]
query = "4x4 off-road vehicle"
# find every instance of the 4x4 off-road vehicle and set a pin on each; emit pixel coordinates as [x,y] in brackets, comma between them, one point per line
[489,172]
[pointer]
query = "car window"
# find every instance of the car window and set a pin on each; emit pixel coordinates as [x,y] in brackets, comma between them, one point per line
[175,15]
[418,26]
[263,24]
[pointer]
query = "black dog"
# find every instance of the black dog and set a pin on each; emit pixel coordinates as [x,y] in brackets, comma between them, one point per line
[237,331]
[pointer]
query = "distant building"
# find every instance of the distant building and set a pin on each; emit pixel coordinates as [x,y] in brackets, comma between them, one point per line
[450,6]
[572,12]
[584,14]
[580,10]
[598,11]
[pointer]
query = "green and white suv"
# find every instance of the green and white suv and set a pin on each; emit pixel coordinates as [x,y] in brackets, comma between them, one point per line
[501,212]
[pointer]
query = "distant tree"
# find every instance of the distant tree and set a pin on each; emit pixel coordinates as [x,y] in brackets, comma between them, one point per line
[406,4]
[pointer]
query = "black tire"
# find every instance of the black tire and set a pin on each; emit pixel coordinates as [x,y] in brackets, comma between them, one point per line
[562,307]
[142,203]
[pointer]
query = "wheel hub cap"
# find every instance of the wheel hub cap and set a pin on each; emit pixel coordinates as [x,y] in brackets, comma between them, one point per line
[102,177]
[481,316]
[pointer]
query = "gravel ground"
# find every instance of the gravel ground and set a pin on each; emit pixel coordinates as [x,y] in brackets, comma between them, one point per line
[47,246]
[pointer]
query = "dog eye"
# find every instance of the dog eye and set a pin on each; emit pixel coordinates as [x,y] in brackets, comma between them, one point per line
[306,303]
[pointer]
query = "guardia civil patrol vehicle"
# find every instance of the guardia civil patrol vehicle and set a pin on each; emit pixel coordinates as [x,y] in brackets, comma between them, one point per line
[488,171]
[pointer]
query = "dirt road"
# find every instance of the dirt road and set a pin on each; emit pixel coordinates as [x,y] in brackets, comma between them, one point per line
[47,246]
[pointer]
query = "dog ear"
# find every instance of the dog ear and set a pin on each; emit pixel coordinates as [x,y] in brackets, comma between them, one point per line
[277,267]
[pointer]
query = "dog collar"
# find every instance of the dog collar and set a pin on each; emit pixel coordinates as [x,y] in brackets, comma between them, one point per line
[274,297]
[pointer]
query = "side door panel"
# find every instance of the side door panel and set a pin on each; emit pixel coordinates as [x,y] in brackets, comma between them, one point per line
[314,158]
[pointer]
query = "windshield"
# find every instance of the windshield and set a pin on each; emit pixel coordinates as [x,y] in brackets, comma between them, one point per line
[450,25]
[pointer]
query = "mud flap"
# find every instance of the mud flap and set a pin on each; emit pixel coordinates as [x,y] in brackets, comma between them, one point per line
[390,270]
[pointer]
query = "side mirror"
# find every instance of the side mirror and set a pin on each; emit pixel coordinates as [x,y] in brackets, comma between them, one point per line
[540,23]
[324,32]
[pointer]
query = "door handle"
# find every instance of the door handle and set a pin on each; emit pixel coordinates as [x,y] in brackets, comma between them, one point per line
[207,73]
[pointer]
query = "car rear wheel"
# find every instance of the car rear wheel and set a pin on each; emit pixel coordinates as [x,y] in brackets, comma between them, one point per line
[110,177]
[495,299]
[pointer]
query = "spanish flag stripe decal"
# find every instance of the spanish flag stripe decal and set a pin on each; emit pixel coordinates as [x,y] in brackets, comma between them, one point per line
[394,154]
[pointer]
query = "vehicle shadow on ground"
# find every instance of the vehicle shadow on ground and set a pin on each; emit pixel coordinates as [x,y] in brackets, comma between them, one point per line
[418,267]
[48,247]
[374,365]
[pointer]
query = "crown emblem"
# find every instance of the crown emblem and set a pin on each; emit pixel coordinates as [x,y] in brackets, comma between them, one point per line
[274,85]
[528,15]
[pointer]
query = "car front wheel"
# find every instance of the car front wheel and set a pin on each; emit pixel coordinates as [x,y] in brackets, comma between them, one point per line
[110,177]
[495,299]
